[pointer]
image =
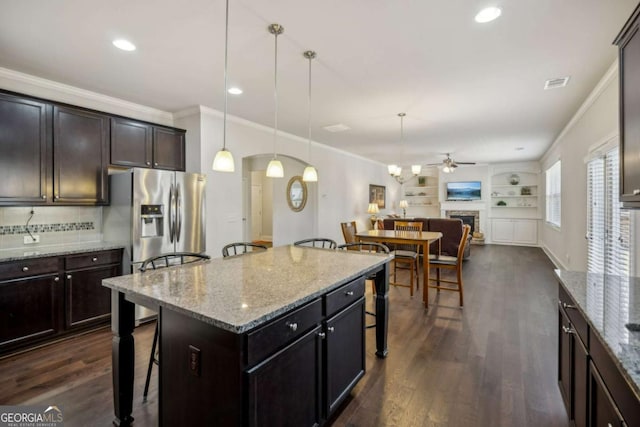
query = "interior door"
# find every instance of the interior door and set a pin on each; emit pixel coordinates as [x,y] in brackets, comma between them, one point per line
[256,212]
[190,212]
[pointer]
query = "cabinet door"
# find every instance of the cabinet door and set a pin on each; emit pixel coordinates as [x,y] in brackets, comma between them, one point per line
[564,360]
[80,141]
[602,409]
[502,230]
[345,353]
[285,389]
[131,143]
[580,363]
[86,300]
[28,310]
[525,231]
[630,116]
[25,126]
[168,149]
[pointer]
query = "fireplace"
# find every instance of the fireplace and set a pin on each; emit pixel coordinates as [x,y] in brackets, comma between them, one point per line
[471,218]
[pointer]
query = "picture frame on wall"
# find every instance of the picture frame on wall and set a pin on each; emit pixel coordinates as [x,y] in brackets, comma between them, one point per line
[377,194]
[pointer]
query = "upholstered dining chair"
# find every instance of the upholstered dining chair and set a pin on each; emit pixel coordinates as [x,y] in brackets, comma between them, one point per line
[154,263]
[317,242]
[408,256]
[440,262]
[369,247]
[241,248]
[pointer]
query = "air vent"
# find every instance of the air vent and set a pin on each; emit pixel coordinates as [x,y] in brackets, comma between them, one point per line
[336,128]
[556,83]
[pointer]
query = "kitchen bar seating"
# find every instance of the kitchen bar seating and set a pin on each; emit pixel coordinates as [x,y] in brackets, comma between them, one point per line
[154,263]
[317,242]
[241,248]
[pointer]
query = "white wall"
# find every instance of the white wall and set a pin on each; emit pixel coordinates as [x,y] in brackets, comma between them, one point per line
[595,122]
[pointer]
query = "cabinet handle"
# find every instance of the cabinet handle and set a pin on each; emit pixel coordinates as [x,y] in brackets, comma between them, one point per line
[567,306]
[69,276]
[331,329]
[94,259]
[568,330]
[636,191]
[44,197]
[56,279]
[349,293]
[25,269]
[322,335]
[156,164]
[148,163]
[293,326]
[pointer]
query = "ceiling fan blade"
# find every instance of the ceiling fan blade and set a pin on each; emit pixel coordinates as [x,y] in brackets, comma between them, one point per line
[466,163]
[434,164]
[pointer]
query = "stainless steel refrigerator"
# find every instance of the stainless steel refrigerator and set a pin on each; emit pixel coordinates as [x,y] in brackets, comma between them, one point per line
[154,212]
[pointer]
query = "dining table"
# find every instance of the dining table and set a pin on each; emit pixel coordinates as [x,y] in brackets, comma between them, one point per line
[399,237]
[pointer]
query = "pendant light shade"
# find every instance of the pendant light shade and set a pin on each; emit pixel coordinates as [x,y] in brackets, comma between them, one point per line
[223,161]
[416,169]
[275,169]
[310,174]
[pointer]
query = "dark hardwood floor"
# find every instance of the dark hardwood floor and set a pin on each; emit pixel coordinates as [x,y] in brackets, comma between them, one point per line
[492,363]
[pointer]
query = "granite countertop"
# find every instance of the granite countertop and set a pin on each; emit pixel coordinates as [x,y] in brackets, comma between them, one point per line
[242,292]
[55,250]
[611,304]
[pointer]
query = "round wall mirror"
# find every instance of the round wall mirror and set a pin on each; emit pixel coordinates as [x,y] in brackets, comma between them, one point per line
[296,193]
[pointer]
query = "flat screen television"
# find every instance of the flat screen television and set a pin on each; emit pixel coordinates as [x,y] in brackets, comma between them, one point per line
[464,190]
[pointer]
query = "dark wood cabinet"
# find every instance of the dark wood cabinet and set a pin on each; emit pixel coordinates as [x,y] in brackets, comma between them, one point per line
[603,410]
[344,354]
[285,390]
[131,143]
[139,144]
[25,137]
[80,144]
[29,302]
[87,302]
[628,42]
[39,300]
[168,149]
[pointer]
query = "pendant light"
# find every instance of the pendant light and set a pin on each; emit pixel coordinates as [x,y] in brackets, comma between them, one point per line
[275,169]
[310,174]
[223,161]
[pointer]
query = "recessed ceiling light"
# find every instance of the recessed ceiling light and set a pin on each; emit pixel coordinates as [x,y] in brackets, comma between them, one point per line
[235,91]
[488,14]
[337,128]
[124,45]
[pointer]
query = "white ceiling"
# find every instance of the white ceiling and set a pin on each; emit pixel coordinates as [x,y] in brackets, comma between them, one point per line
[475,90]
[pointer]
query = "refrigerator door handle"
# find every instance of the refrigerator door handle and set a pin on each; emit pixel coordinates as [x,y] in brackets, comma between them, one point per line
[178,228]
[171,212]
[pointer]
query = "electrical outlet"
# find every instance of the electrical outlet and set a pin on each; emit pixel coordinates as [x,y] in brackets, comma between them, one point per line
[28,240]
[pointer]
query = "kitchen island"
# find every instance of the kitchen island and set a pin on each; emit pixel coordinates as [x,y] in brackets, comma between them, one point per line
[274,337]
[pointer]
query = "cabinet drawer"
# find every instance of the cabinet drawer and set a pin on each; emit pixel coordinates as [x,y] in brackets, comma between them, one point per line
[28,267]
[92,259]
[577,319]
[275,335]
[343,296]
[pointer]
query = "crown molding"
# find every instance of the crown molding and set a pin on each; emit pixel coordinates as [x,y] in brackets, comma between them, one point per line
[48,89]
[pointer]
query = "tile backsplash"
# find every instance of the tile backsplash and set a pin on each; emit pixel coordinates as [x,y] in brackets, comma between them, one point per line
[53,224]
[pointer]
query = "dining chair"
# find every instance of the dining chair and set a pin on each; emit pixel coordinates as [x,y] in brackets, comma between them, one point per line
[317,242]
[154,263]
[368,247]
[349,230]
[241,248]
[407,256]
[439,262]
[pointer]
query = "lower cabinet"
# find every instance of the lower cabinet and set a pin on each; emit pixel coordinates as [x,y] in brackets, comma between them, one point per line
[44,298]
[603,410]
[514,231]
[572,370]
[294,370]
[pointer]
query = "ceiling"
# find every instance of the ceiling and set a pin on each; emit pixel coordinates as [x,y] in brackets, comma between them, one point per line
[474,90]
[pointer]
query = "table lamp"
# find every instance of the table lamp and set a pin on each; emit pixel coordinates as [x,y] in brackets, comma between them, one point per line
[373,210]
[404,205]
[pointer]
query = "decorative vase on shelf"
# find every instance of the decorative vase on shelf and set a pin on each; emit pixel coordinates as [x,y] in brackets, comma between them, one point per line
[514,179]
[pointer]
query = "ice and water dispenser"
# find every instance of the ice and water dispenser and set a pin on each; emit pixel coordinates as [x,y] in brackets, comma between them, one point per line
[151,220]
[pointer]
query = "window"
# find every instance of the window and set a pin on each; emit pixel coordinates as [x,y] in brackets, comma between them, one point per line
[553,194]
[608,226]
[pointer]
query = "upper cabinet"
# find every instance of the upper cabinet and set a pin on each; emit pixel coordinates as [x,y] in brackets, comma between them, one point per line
[628,42]
[80,147]
[139,144]
[25,132]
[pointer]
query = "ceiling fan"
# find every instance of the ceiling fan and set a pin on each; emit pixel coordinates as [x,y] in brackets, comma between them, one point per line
[449,165]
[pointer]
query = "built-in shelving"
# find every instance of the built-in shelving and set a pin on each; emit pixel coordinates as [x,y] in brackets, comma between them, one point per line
[421,193]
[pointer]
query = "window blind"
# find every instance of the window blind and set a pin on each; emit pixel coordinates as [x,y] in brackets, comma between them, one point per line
[553,194]
[595,215]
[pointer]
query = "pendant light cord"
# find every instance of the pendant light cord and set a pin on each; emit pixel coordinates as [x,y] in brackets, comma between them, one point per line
[226,92]
[309,111]
[275,96]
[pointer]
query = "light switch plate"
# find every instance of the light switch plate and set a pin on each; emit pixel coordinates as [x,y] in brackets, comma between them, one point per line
[28,240]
